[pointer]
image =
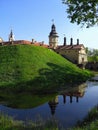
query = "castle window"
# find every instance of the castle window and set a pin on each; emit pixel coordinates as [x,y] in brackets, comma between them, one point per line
[83,59]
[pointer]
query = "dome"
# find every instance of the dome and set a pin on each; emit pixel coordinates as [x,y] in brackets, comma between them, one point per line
[1,40]
[53,31]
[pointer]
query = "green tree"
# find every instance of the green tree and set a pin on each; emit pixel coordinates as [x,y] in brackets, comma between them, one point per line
[95,52]
[89,51]
[84,12]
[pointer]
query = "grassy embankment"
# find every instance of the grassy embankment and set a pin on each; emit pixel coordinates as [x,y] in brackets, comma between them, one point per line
[28,65]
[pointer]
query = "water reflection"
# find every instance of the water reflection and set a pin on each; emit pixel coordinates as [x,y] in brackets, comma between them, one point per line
[53,104]
[24,100]
[67,107]
[76,92]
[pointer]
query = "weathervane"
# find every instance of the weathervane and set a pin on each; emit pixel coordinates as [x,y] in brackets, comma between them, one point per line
[53,21]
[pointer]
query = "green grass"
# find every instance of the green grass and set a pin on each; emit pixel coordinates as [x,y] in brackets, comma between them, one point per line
[26,65]
[9,123]
[90,122]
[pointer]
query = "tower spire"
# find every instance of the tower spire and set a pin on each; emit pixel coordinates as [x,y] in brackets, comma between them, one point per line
[11,36]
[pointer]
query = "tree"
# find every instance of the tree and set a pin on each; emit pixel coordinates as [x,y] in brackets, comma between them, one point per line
[84,12]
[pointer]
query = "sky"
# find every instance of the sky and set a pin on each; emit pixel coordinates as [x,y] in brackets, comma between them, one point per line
[32,19]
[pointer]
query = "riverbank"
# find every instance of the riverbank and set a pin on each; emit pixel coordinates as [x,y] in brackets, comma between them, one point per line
[89,123]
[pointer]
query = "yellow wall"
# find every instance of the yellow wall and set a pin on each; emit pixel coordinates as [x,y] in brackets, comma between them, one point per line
[74,55]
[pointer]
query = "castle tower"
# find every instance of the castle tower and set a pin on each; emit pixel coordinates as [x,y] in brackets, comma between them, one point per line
[11,36]
[53,37]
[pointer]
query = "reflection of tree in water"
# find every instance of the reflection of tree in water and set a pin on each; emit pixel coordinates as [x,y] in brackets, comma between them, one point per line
[77,92]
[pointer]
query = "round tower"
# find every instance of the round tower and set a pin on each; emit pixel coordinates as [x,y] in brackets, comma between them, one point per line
[53,37]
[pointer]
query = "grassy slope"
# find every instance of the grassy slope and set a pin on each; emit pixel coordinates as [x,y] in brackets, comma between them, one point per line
[22,63]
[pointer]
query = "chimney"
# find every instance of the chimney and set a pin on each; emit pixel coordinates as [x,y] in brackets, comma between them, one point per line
[71,41]
[32,41]
[64,41]
[77,41]
[42,42]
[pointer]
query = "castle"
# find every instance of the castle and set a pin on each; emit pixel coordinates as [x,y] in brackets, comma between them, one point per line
[76,53]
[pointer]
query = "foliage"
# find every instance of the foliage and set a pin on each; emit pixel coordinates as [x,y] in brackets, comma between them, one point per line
[93,58]
[82,11]
[8,123]
[92,55]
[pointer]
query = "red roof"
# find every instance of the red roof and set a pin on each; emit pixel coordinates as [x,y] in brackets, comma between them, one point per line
[68,47]
[25,42]
[40,44]
[17,42]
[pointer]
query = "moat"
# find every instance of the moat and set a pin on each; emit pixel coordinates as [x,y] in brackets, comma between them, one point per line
[66,108]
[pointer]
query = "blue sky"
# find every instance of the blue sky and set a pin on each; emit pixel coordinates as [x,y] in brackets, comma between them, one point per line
[33,19]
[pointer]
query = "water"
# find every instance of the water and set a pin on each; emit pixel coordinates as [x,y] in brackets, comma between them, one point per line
[67,108]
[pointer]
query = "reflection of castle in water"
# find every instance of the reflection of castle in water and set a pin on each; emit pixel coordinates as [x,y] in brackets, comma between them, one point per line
[77,92]
[53,103]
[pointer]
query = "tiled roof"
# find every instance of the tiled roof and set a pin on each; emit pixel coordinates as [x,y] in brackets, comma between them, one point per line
[70,47]
[17,42]
[25,42]
[40,44]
